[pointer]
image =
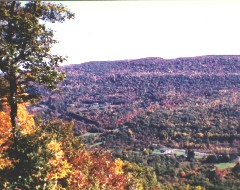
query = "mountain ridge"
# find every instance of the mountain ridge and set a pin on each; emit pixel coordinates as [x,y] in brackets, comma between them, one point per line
[135,59]
[158,100]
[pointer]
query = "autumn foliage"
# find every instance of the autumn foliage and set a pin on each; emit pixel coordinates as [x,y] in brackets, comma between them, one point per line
[25,120]
[5,139]
[50,156]
[97,171]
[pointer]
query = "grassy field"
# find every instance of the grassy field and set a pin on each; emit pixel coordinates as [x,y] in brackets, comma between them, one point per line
[225,165]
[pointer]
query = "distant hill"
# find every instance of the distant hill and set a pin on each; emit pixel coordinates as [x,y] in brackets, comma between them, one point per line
[152,100]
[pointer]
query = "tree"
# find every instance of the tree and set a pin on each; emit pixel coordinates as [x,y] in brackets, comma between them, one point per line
[190,154]
[139,176]
[25,55]
[97,170]
[44,151]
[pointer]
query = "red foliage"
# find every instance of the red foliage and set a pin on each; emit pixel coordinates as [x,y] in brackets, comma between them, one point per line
[220,173]
[97,170]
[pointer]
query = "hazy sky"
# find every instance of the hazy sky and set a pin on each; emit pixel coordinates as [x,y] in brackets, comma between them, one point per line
[115,30]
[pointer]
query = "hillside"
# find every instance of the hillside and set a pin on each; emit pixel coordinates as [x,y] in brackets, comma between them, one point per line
[137,103]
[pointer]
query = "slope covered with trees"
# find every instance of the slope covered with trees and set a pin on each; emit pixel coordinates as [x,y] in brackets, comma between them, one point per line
[133,109]
[173,124]
[46,153]
[179,102]
[50,156]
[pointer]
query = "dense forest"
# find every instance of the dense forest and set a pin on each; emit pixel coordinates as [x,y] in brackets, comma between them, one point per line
[146,124]
[152,101]
[179,117]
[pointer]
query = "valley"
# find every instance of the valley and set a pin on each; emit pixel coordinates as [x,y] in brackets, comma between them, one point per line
[178,116]
[192,101]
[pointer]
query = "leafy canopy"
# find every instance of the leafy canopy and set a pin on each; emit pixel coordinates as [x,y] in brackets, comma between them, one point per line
[26,43]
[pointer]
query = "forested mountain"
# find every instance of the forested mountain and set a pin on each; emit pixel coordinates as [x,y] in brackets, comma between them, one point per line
[176,102]
[146,124]
[178,117]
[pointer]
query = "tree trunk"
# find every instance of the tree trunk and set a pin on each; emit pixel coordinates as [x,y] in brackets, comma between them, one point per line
[12,82]
[13,107]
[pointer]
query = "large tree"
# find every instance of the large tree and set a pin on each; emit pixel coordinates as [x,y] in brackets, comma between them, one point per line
[25,44]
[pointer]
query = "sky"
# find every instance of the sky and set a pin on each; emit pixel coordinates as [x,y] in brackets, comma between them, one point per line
[119,30]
